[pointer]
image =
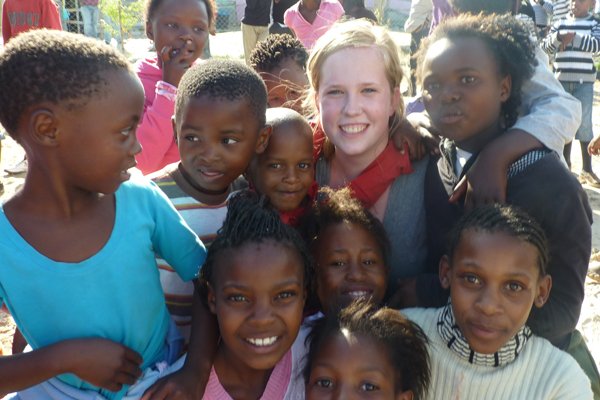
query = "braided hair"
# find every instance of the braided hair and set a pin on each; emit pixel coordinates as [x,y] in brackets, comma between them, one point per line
[250,219]
[507,41]
[405,341]
[499,218]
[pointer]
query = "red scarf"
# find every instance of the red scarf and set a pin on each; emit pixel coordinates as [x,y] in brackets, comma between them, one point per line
[377,177]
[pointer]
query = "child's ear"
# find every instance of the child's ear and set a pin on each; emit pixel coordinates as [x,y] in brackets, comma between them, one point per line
[174,129]
[505,88]
[44,127]
[211,299]
[544,287]
[396,96]
[263,139]
[149,32]
[445,266]
[408,395]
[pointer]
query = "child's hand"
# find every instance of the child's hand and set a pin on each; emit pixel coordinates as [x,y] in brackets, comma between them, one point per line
[565,39]
[405,136]
[174,63]
[429,134]
[182,385]
[484,183]
[594,146]
[102,362]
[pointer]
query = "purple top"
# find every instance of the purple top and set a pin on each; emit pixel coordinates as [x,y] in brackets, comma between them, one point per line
[441,10]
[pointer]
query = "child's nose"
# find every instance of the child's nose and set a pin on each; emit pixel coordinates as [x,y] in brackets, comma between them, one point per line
[355,272]
[353,105]
[450,94]
[262,314]
[291,176]
[136,148]
[489,302]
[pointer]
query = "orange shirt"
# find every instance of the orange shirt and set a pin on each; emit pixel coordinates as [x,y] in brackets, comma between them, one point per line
[23,15]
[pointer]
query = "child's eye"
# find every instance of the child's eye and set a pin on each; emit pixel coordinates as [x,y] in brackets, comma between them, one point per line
[471,279]
[324,383]
[127,131]
[468,79]
[514,286]
[305,165]
[191,138]
[369,262]
[369,90]
[338,263]
[199,29]
[286,295]
[237,298]
[171,24]
[368,387]
[229,141]
[334,92]
[274,166]
[433,86]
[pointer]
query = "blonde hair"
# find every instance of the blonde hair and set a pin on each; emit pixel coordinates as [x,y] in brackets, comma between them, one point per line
[354,34]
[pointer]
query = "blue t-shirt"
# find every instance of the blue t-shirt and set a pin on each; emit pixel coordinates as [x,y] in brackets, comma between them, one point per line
[116,293]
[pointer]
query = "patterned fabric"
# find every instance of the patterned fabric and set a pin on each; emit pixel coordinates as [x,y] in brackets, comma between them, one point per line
[574,62]
[454,338]
[525,161]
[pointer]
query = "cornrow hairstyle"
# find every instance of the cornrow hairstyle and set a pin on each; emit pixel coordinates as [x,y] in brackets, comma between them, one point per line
[507,41]
[250,219]
[224,79]
[151,6]
[500,218]
[405,341]
[342,207]
[56,67]
[269,53]
[482,6]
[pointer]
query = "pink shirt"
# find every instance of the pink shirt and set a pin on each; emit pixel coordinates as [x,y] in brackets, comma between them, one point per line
[276,388]
[329,11]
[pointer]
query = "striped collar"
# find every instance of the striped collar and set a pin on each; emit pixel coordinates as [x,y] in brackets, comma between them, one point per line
[455,340]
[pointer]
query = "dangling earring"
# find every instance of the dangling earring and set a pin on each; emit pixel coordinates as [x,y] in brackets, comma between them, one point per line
[151,41]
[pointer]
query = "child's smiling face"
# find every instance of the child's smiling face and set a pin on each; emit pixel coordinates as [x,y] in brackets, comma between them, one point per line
[463,92]
[349,264]
[580,8]
[174,22]
[216,139]
[285,170]
[258,297]
[494,280]
[350,366]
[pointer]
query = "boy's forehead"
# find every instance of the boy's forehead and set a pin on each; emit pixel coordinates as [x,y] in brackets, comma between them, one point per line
[239,108]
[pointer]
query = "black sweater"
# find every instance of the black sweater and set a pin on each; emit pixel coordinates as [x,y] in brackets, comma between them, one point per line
[257,13]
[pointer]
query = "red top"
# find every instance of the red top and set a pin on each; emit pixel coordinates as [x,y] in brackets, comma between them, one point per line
[24,15]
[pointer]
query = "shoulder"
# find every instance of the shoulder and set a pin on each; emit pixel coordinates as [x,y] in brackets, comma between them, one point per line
[147,68]
[426,318]
[332,5]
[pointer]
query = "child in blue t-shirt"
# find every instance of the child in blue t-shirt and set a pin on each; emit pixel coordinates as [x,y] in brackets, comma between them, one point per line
[78,241]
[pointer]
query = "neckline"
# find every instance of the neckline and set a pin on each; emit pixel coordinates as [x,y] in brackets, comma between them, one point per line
[80,267]
[457,343]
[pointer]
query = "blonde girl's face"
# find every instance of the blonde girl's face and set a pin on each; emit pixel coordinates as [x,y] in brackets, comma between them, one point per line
[355,101]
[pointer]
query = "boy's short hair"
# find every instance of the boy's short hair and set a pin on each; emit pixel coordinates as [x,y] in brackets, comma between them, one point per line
[482,6]
[341,207]
[405,341]
[500,218]
[52,66]
[507,41]
[269,53]
[224,79]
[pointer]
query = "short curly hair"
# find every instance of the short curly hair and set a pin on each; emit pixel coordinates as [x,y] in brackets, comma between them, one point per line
[151,6]
[507,41]
[341,207]
[224,79]
[404,342]
[269,53]
[52,66]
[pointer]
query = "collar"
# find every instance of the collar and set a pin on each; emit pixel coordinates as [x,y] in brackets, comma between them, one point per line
[455,340]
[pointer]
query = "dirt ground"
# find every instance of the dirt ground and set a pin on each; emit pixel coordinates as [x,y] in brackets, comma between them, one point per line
[229,45]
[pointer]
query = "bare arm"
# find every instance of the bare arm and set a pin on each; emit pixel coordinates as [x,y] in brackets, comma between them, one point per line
[190,381]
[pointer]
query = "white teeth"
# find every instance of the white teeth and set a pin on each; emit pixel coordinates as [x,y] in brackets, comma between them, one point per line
[358,294]
[352,129]
[263,341]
